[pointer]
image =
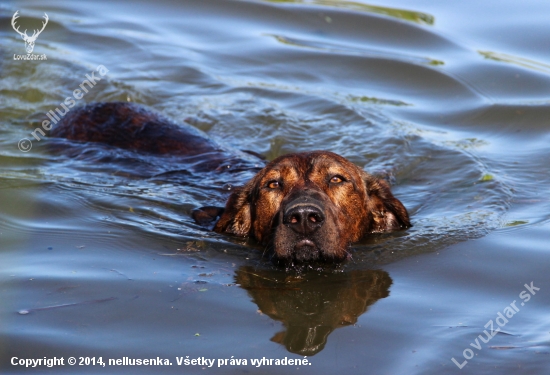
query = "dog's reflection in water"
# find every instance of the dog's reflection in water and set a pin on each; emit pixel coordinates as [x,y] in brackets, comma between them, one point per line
[312,306]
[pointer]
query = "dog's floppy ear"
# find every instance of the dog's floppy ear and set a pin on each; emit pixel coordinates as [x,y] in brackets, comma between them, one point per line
[388,213]
[236,218]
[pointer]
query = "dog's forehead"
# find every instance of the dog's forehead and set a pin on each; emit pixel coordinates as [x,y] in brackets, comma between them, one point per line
[286,166]
[327,162]
[330,165]
[308,163]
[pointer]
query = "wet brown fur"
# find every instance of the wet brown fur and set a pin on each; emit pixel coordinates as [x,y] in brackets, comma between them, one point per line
[351,206]
[130,126]
[358,205]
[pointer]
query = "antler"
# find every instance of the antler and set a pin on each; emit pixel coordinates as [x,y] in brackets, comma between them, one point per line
[15,16]
[24,35]
[43,27]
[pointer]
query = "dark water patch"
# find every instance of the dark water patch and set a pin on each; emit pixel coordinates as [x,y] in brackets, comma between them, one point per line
[307,312]
[403,14]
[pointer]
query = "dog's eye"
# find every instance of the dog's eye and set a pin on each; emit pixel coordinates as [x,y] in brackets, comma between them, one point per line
[337,179]
[273,184]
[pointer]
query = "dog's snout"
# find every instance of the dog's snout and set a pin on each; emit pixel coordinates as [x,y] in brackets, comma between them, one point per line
[304,218]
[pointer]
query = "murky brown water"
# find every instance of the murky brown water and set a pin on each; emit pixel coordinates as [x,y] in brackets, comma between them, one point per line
[450,101]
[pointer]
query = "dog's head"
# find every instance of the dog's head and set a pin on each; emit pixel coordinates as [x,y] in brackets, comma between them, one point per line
[311,206]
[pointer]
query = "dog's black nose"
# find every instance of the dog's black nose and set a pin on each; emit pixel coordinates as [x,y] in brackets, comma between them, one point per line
[304,218]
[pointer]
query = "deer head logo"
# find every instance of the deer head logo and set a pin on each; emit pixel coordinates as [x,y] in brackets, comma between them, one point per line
[29,40]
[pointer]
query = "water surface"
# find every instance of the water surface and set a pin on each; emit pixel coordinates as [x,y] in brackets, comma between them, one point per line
[449,102]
